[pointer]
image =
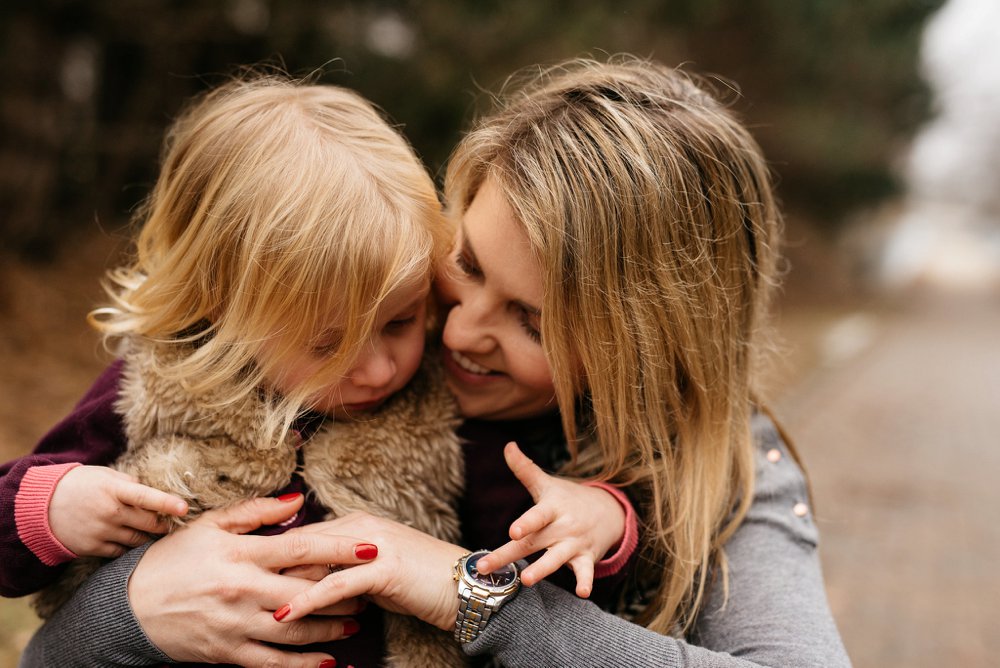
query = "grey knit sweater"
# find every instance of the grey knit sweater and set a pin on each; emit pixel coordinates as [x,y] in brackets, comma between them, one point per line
[776,614]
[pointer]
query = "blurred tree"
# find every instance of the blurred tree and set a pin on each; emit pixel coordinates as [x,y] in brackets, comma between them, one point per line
[830,88]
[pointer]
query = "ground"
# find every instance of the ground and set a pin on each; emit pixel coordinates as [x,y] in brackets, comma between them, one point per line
[892,403]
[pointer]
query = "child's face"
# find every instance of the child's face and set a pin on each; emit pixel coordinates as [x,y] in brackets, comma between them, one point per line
[386,363]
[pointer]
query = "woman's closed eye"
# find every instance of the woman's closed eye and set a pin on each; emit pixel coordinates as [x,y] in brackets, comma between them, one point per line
[529,323]
[466,266]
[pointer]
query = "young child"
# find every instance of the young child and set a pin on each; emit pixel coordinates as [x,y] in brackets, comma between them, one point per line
[281,278]
[273,322]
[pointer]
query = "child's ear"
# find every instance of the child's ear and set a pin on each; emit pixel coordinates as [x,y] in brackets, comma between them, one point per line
[433,322]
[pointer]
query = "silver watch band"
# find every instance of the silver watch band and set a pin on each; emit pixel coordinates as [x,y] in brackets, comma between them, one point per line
[473,613]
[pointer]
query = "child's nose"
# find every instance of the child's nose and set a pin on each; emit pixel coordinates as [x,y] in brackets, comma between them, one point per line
[375,368]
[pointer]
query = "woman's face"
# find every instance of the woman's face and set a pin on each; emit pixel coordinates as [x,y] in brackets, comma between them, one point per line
[491,289]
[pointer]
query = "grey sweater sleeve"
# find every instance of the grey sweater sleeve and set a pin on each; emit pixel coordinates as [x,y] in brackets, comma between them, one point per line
[111,637]
[776,613]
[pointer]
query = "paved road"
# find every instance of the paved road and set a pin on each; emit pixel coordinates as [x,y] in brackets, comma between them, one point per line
[901,433]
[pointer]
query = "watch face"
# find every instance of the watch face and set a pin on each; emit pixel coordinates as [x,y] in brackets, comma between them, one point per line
[502,577]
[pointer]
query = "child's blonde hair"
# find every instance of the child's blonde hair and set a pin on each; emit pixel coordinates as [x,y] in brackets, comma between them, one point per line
[651,210]
[279,205]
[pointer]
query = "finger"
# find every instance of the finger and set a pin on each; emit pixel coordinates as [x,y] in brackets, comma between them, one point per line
[150,498]
[507,553]
[108,550]
[143,520]
[249,515]
[306,631]
[531,476]
[583,568]
[302,548]
[254,654]
[534,520]
[331,590]
[352,606]
[313,572]
[129,537]
[546,565]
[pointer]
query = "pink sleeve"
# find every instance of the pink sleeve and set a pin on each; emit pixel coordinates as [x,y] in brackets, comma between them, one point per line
[630,539]
[31,512]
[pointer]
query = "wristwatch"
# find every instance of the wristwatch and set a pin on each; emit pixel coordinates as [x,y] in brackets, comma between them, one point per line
[479,596]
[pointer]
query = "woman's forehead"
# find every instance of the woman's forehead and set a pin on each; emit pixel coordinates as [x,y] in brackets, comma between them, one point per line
[501,247]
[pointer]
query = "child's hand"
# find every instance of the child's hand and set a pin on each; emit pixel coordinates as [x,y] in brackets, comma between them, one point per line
[574,523]
[100,512]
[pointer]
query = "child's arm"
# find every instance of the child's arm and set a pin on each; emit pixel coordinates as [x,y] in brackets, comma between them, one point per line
[97,511]
[91,434]
[577,525]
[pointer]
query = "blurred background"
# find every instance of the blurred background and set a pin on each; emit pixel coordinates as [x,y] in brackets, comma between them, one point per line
[881,120]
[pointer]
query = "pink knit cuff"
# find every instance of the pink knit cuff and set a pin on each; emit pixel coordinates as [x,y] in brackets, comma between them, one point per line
[630,539]
[31,512]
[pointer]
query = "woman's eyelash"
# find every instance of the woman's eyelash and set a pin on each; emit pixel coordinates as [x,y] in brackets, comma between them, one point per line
[530,329]
[465,266]
[469,269]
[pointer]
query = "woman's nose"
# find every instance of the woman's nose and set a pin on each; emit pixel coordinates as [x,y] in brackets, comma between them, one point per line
[468,327]
[374,367]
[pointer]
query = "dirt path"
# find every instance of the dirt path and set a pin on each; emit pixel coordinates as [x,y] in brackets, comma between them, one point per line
[902,438]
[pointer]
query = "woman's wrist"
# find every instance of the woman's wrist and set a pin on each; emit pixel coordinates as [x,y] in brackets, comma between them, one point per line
[447,607]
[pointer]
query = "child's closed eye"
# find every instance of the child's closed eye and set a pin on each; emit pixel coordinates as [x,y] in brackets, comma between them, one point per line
[400,324]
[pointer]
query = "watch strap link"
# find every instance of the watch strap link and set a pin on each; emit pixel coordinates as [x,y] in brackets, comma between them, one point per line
[473,613]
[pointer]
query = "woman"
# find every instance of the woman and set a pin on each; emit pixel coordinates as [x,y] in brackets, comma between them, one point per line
[615,257]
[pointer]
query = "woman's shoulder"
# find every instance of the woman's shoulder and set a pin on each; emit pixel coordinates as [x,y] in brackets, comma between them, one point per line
[781,492]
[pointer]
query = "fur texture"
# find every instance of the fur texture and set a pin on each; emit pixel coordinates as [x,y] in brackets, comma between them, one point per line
[403,462]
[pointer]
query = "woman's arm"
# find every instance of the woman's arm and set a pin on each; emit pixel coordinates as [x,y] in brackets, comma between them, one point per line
[547,626]
[113,638]
[777,611]
[203,594]
[776,614]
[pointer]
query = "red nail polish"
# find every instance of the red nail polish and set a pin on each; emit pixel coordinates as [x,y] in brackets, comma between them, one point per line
[328,663]
[365,551]
[351,627]
[282,612]
[289,497]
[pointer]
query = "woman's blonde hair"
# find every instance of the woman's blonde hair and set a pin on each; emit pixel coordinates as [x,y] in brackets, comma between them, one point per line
[280,204]
[651,210]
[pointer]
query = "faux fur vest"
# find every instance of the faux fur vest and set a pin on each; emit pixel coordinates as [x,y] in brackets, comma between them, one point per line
[403,462]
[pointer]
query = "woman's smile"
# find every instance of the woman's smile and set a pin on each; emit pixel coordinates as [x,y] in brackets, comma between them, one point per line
[468,364]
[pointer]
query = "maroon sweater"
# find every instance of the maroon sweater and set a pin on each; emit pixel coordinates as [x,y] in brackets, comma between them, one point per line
[93,433]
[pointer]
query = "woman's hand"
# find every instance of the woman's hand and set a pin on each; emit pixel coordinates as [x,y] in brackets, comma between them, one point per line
[575,524]
[412,574]
[207,594]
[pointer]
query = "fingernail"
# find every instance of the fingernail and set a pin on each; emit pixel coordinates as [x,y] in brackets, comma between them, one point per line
[328,663]
[351,627]
[365,551]
[289,497]
[282,612]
